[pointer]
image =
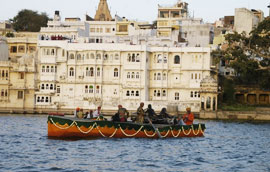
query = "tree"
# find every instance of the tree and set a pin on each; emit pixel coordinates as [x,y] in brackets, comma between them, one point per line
[249,56]
[28,20]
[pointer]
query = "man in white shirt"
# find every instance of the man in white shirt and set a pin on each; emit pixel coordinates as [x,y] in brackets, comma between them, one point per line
[97,113]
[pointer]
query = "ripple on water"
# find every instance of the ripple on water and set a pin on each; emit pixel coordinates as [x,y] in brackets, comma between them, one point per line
[225,147]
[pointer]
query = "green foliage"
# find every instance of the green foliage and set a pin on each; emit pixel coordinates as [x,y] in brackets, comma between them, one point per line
[28,20]
[228,90]
[249,56]
[10,35]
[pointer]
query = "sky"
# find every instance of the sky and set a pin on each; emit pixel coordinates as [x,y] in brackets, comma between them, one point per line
[141,10]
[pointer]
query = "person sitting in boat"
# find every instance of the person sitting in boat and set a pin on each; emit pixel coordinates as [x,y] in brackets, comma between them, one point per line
[76,112]
[151,113]
[123,114]
[80,114]
[140,113]
[97,112]
[164,117]
[188,117]
[116,117]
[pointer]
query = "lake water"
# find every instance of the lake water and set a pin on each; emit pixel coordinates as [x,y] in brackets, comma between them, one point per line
[227,146]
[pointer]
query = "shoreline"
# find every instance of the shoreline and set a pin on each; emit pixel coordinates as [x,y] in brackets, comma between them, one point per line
[260,114]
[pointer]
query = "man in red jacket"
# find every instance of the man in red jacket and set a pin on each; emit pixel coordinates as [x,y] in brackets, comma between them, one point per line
[188,117]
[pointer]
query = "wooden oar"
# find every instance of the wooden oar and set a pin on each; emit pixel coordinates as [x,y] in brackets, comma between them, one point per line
[159,135]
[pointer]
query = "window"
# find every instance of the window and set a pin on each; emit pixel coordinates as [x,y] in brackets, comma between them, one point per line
[159,76]
[155,76]
[129,57]
[13,49]
[155,93]
[127,93]
[43,69]
[159,58]
[51,87]
[20,95]
[137,93]
[91,71]
[91,89]
[48,69]
[137,75]
[47,99]
[38,99]
[47,86]
[97,89]
[191,94]
[165,59]
[133,58]
[138,58]
[86,89]
[71,56]
[6,93]
[98,56]
[192,76]
[21,75]
[164,93]
[58,90]
[52,52]
[52,69]
[195,94]
[79,57]
[2,92]
[21,49]
[158,93]
[176,96]
[42,86]
[164,76]
[177,59]
[71,71]
[128,75]
[132,93]
[115,72]
[98,72]
[133,75]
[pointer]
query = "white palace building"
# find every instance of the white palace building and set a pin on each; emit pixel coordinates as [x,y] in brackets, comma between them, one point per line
[130,63]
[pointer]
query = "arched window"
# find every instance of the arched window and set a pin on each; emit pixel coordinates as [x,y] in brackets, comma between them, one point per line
[38,99]
[137,93]
[138,57]
[159,76]
[155,93]
[133,75]
[98,72]
[47,86]
[106,57]
[116,56]
[191,94]
[192,76]
[133,58]
[208,103]
[51,87]
[47,99]
[91,71]
[137,75]
[42,86]
[55,69]
[127,93]
[2,93]
[176,96]
[87,56]
[86,89]
[97,89]
[155,76]
[98,56]
[91,89]
[165,59]
[195,75]
[48,69]
[115,73]
[52,69]
[43,69]
[6,93]
[128,75]
[159,58]
[79,57]
[132,93]
[92,56]
[129,57]
[177,59]
[164,93]
[195,94]
[164,76]
[71,56]
[158,93]
[71,71]
[52,52]
[87,71]
[42,99]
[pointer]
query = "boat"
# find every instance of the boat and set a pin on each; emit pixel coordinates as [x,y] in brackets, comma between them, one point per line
[65,127]
[56,114]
